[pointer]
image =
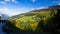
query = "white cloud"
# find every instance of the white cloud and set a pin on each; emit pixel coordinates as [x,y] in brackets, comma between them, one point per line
[13,0]
[42,7]
[2,2]
[58,3]
[33,0]
[12,12]
[7,0]
[38,8]
[17,2]
[5,10]
[32,9]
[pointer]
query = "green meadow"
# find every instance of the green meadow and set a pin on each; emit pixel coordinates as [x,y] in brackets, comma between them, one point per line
[31,20]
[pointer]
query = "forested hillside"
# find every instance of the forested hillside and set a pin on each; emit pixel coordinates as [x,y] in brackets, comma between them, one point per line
[30,20]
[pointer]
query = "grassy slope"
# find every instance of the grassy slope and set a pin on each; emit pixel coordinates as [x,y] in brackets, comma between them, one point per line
[31,19]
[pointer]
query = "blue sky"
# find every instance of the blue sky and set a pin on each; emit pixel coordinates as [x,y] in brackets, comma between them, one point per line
[15,7]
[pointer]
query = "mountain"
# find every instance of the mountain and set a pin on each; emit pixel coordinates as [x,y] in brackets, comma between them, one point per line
[32,19]
[54,7]
[4,17]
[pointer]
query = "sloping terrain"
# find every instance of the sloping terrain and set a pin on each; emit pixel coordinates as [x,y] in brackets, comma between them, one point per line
[30,20]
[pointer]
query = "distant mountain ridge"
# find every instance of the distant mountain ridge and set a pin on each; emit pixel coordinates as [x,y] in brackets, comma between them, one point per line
[4,17]
[54,7]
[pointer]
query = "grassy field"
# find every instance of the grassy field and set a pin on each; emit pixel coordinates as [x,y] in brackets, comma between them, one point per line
[30,20]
